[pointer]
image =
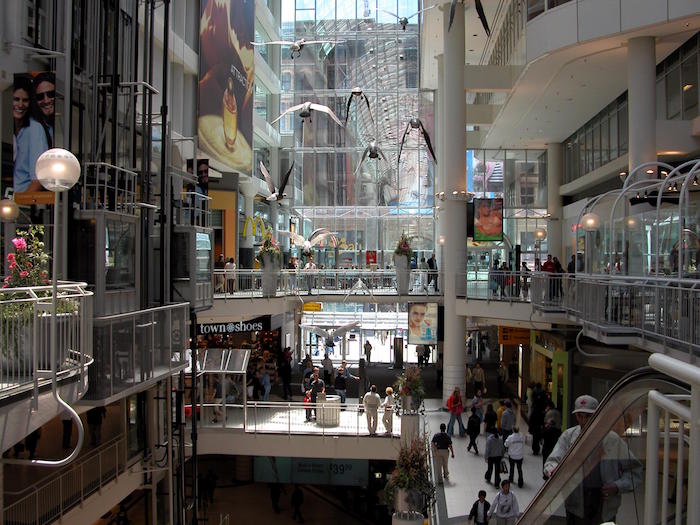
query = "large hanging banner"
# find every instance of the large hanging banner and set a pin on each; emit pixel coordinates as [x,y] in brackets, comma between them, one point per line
[226,74]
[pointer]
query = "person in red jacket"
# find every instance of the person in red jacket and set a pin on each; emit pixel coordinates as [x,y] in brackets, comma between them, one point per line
[456,407]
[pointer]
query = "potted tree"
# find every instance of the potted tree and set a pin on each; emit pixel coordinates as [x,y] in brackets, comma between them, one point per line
[409,489]
[408,390]
[25,309]
[269,258]
[402,256]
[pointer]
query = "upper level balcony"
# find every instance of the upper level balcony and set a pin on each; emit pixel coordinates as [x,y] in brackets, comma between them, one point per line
[26,367]
[136,349]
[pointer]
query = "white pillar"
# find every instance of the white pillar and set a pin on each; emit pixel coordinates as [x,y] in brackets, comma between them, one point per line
[454,213]
[555,168]
[641,100]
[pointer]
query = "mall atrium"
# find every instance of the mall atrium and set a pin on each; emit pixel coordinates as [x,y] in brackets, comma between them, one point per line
[226,224]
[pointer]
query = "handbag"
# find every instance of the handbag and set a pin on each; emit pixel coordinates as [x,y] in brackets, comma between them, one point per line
[504,467]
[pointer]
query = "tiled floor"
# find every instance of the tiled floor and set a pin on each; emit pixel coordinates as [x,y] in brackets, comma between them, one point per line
[467,470]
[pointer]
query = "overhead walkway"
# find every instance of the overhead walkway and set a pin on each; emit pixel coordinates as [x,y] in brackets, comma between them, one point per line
[642,423]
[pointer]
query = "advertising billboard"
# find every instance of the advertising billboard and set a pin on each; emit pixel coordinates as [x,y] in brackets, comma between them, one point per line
[226,74]
[488,219]
[422,323]
[33,112]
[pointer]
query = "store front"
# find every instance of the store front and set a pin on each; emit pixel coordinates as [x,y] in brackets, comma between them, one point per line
[550,364]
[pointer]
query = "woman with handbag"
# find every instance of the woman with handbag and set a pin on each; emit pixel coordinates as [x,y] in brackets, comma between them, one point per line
[456,407]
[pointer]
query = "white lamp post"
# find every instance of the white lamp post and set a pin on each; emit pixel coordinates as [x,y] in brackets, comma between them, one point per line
[590,223]
[540,235]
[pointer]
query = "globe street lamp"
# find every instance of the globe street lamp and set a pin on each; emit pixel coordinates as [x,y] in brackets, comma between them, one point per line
[540,235]
[590,223]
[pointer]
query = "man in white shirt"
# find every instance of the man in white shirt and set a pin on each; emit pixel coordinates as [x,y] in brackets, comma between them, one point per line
[230,271]
[371,402]
[505,506]
[310,265]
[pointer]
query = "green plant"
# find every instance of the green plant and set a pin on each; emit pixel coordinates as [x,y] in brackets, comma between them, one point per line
[410,383]
[403,247]
[270,250]
[412,475]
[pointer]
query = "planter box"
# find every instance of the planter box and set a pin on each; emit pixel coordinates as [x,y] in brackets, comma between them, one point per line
[403,274]
[270,276]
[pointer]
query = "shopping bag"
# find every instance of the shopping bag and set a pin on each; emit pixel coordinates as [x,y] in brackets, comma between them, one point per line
[504,467]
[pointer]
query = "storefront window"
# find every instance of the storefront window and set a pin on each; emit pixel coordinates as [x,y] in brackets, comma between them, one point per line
[120,255]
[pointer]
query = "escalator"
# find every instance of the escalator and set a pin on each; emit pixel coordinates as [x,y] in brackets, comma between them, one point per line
[614,443]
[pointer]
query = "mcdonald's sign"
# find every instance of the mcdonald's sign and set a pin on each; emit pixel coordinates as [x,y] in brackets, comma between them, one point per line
[254,223]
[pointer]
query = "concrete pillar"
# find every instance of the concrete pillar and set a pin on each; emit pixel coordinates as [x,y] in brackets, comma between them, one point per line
[641,100]
[246,252]
[453,217]
[555,170]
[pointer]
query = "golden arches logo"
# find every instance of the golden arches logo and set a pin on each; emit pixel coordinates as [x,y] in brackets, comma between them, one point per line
[254,223]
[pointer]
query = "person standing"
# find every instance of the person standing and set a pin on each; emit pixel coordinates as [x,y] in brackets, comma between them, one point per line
[473,430]
[480,510]
[297,502]
[275,494]
[362,378]
[388,404]
[505,506]
[442,443]
[536,421]
[493,453]
[371,402]
[286,373]
[490,420]
[479,377]
[230,271]
[478,404]
[368,351]
[219,265]
[327,369]
[455,407]
[316,386]
[610,470]
[433,276]
[515,443]
[552,414]
[550,436]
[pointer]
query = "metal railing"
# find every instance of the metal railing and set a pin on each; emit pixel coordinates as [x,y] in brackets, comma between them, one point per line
[49,500]
[663,311]
[669,417]
[327,419]
[108,188]
[134,347]
[249,283]
[25,333]
[496,285]
[193,210]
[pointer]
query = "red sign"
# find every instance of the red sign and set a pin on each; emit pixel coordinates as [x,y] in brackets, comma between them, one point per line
[371,257]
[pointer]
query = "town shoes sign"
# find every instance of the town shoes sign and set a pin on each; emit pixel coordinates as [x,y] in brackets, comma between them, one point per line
[230,328]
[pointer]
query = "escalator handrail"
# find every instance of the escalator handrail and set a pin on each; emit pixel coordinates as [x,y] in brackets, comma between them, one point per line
[589,437]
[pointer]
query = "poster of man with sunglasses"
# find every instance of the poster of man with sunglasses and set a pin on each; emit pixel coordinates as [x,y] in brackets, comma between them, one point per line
[33,112]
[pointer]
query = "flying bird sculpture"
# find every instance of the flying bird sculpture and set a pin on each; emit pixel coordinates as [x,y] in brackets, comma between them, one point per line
[357,92]
[276,194]
[295,46]
[479,11]
[315,238]
[403,20]
[374,153]
[330,335]
[415,123]
[305,109]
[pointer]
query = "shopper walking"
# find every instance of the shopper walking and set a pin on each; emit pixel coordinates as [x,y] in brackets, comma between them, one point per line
[480,510]
[478,404]
[371,402]
[502,379]
[505,506]
[442,443]
[516,449]
[297,502]
[368,352]
[493,454]
[94,420]
[473,430]
[479,377]
[507,420]
[456,407]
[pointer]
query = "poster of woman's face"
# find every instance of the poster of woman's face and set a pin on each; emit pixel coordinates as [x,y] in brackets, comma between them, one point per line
[488,219]
[33,112]
[422,323]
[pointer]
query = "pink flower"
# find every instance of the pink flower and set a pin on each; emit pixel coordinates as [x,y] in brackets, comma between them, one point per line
[13,265]
[20,243]
[7,279]
[23,274]
[29,265]
[10,257]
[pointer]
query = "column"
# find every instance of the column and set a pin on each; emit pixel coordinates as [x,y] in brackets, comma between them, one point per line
[641,100]
[246,252]
[555,168]
[453,217]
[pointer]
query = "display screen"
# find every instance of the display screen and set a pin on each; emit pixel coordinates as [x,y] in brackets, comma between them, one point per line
[422,323]
[488,219]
